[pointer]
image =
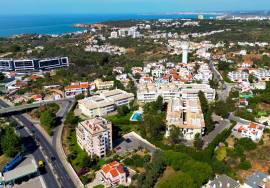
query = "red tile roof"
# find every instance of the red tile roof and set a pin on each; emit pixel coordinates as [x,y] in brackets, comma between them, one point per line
[114,168]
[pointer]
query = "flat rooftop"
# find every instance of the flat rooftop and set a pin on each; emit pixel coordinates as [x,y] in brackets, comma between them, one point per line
[29,167]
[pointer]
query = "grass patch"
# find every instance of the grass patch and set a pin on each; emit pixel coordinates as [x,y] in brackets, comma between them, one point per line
[221,153]
[169,172]
[122,125]
[77,156]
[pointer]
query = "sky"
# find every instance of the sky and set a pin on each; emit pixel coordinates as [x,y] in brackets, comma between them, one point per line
[126,6]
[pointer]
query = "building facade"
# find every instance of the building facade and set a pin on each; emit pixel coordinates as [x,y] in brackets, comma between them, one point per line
[33,64]
[104,103]
[103,85]
[150,92]
[238,76]
[95,136]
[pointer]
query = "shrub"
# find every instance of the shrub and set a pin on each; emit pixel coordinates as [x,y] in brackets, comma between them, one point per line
[244,165]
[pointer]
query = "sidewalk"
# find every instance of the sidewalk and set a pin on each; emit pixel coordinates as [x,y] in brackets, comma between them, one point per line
[60,151]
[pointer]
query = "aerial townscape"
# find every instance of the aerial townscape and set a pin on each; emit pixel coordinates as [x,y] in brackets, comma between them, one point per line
[169,102]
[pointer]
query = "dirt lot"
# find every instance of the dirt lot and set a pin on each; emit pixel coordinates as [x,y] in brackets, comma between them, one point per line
[169,171]
[259,159]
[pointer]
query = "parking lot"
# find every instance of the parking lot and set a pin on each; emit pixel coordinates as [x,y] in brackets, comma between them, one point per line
[132,142]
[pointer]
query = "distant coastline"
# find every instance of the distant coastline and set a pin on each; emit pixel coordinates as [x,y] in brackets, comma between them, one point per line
[59,24]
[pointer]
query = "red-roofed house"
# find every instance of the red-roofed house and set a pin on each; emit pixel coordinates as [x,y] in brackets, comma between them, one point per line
[250,130]
[77,88]
[36,97]
[114,174]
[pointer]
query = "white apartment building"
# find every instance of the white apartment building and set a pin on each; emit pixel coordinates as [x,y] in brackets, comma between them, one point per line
[96,106]
[119,97]
[104,103]
[114,35]
[190,91]
[262,75]
[150,92]
[186,115]
[238,76]
[204,74]
[95,136]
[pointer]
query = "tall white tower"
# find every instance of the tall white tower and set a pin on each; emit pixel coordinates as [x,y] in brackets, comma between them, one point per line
[185,47]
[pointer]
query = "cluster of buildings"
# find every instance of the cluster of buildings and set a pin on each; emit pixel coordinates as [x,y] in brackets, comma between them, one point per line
[125,32]
[106,48]
[246,69]
[150,92]
[95,137]
[86,88]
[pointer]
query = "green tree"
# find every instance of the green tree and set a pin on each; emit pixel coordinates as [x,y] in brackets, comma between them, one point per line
[204,102]
[123,110]
[246,143]
[207,112]
[10,142]
[159,103]
[71,119]
[154,125]
[198,142]
[47,119]
[118,85]
[98,186]
[79,97]
[213,83]
[175,135]
[221,109]
[131,87]
[180,179]
[245,165]
[2,76]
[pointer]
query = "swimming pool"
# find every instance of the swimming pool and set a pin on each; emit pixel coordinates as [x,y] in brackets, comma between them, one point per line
[136,116]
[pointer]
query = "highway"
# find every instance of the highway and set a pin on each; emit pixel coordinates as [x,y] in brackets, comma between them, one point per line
[58,168]
[9,109]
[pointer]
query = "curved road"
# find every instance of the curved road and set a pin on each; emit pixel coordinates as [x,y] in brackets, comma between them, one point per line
[58,168]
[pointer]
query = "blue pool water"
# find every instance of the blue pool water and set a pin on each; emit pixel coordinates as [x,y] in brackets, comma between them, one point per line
[136,116]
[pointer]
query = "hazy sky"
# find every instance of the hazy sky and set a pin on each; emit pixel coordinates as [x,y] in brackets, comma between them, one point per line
[126,6]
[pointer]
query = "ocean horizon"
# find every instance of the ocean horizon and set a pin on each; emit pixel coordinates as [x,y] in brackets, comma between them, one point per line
[59,24]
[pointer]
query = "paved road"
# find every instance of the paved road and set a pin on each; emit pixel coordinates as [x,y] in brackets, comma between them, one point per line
[226,87]
[238,119]
[219,127]
[216,74]
[9,109]
[133,79]
[57,164]
[31,147]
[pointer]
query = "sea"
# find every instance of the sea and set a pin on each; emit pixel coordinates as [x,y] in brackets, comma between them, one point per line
[11,25]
